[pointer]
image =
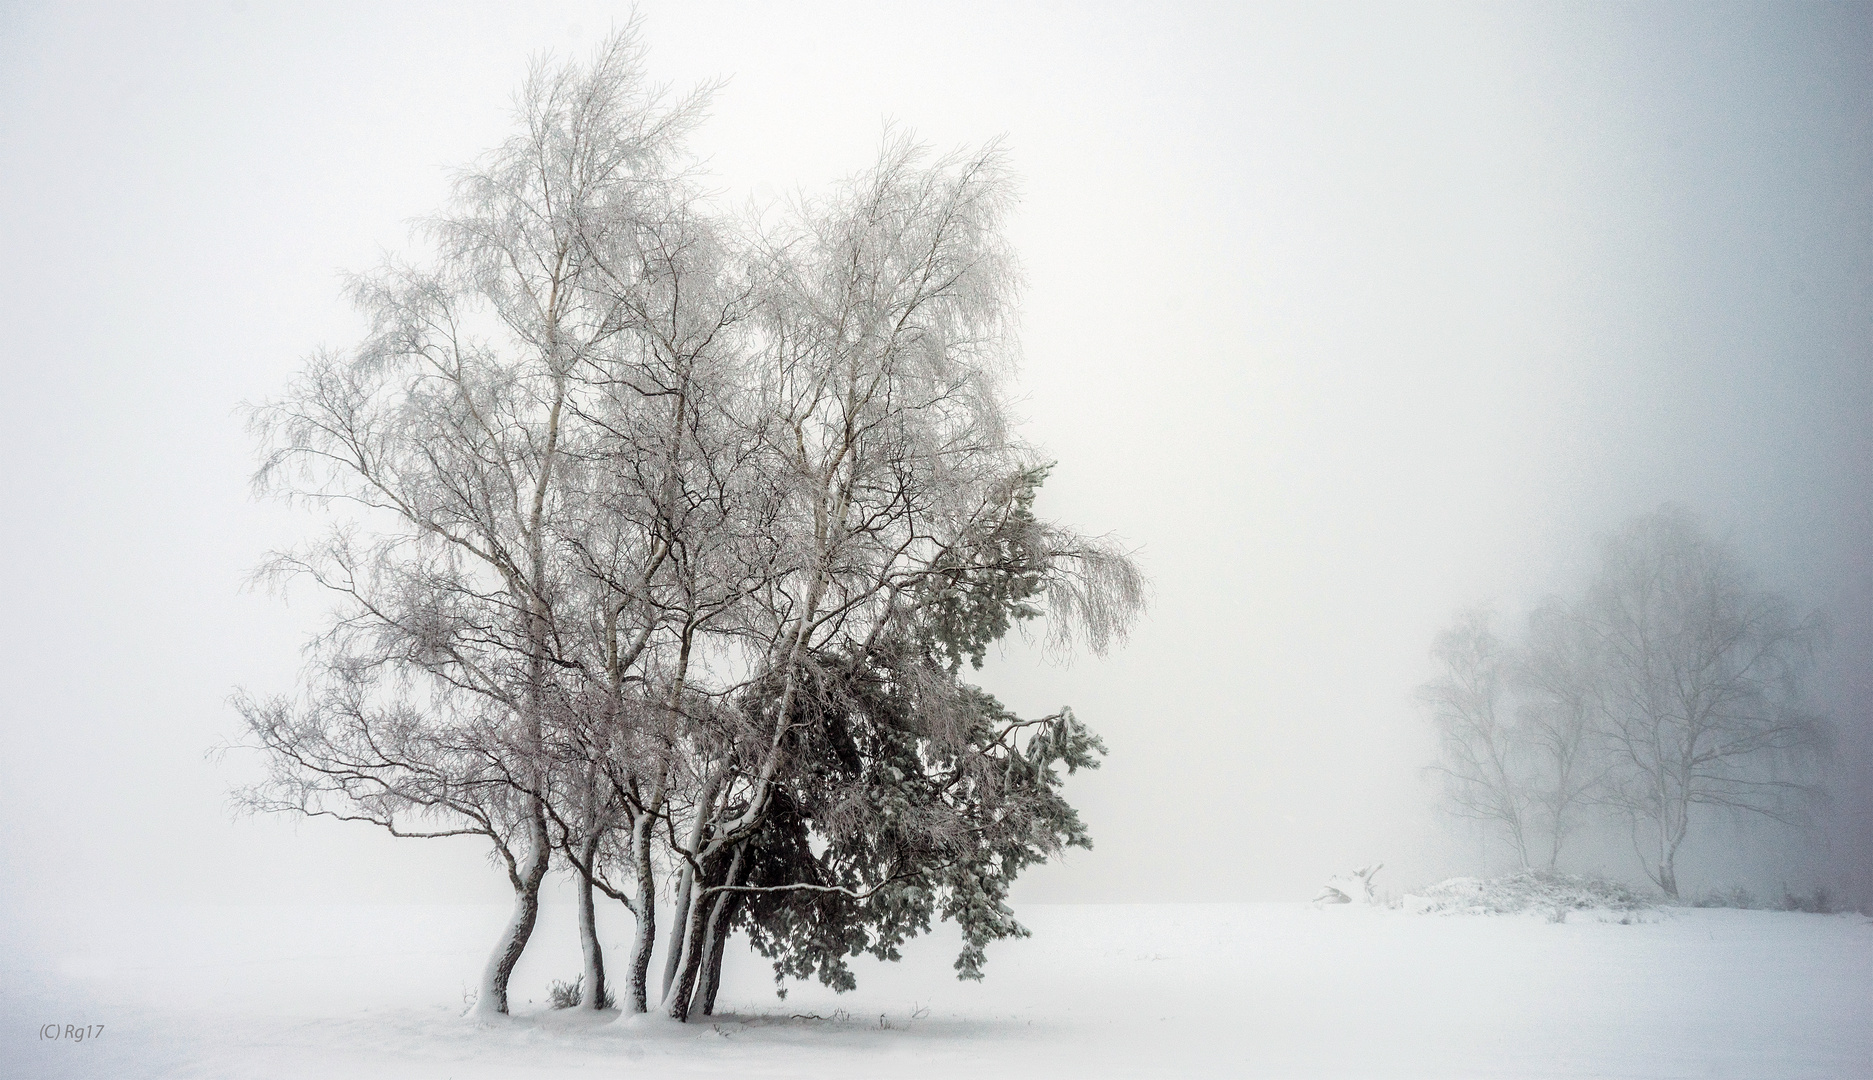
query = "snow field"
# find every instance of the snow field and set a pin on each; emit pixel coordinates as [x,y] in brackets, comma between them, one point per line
[1262,990]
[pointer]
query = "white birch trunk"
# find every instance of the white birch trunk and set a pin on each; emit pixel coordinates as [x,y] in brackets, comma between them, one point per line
[714,932]
[686,883]
[492,999]
[677,995]
[678,920]
[592,987]
[646,915]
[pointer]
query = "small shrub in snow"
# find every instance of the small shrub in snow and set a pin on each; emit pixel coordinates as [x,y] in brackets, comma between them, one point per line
[1735,897]
[566,995]
[1524,891]
[1817,903]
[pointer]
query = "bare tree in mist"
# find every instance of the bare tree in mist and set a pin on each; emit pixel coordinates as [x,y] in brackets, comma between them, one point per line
[661,538]
[457,433]
[1514,742]
[882,343]
[1698,686]
[1554,680]
[1484,759]
[1671,685]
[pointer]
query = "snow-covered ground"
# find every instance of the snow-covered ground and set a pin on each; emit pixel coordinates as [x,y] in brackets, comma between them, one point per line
[1277,990]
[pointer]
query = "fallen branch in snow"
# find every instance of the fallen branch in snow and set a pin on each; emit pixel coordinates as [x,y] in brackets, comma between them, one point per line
[1354,888]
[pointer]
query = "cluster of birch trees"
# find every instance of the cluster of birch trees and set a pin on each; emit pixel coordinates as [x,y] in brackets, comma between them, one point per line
[1669,687]
[661,539]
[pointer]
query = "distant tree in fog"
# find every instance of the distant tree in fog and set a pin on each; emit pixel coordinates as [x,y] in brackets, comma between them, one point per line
[1553,677]
[1483,759]
[1514,747]
[1696,686]
[1670,684]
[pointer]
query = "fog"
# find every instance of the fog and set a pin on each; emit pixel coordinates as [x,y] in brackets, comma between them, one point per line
[1343,319]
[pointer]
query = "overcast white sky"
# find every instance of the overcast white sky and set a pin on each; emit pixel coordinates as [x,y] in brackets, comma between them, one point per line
[1345,317]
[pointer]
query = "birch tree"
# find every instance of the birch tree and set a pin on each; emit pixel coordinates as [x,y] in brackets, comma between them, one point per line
[1700,686]
[660,539]
[1554,676]
[450,432]
[1483,758]
[884,336]
[1671,686]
